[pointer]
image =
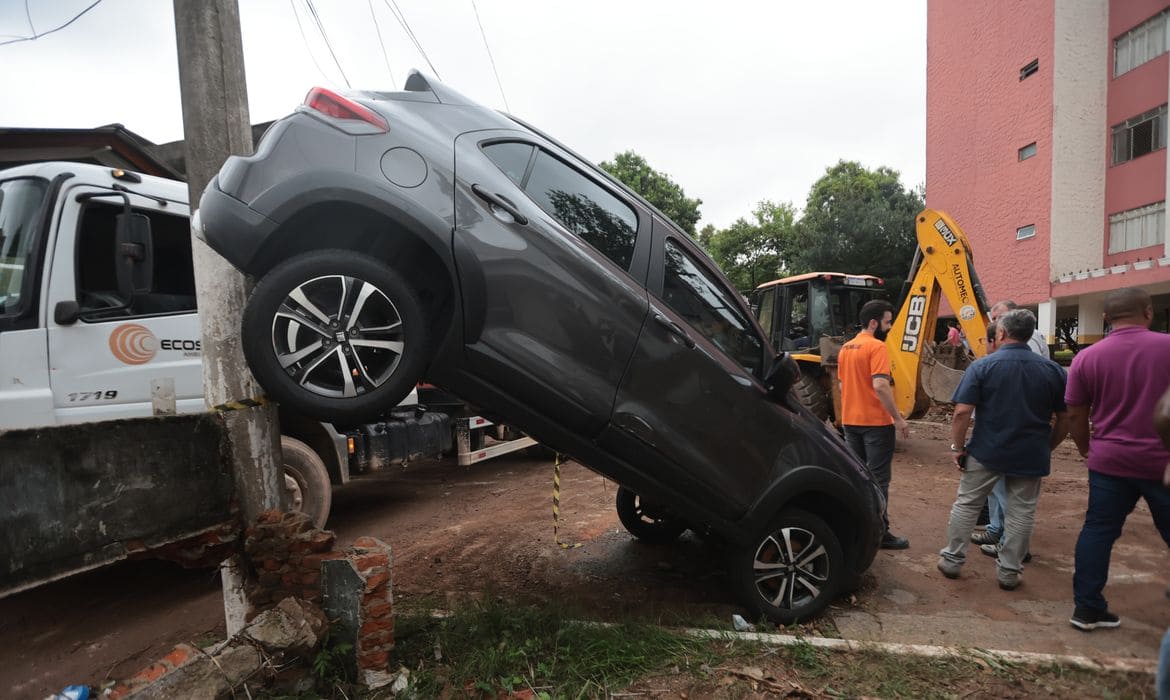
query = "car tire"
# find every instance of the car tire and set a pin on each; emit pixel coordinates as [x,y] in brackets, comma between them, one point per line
[646,522]
[306,480]
[363,317]
[776,580]
[811,395]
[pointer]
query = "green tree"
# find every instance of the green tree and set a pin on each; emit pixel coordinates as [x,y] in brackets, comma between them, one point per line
[753,251]
[858,220]
[658,188]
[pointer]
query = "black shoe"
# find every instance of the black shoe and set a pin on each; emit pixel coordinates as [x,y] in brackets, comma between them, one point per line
[1089,619]
[892,541]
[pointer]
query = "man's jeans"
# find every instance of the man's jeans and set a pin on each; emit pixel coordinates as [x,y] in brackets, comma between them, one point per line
[1111,500]
[874,445]
[974,485]
[996,501]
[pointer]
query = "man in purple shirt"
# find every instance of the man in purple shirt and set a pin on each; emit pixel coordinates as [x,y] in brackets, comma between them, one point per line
[1116,383]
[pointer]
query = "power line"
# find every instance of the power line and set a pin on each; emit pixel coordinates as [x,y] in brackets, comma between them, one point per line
[490,57]
[36,36]
[292,4]
[382,44]
[29,16]
[410,34]
[328,45]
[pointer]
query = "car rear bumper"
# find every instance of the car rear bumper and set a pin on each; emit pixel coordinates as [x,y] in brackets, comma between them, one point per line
[230,227]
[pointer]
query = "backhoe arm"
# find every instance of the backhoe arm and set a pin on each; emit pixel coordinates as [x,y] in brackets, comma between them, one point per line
[942,267]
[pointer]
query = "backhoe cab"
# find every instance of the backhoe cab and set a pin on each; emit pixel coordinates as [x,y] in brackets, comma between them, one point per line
[812,315]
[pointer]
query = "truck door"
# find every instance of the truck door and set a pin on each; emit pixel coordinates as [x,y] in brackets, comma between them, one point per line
[552,259]
[102,363]
[692,410]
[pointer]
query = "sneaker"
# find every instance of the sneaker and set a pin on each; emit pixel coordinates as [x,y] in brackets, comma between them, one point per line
[985,537]
[892,541]
[1089,619]
[949,568]
[992,550]
[1010,581]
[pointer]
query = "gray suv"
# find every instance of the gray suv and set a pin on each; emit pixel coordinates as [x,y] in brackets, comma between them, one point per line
[401,236]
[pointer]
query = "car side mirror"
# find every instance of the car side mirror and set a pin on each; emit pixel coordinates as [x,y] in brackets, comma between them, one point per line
[134,254]
[66,313]
[781,376]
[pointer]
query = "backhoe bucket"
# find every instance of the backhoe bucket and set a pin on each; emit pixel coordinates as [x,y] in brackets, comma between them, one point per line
[942,370]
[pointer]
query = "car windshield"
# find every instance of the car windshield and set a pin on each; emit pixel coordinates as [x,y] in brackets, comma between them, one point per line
[20,205]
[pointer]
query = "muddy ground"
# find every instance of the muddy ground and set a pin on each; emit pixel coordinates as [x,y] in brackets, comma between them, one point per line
[487,530]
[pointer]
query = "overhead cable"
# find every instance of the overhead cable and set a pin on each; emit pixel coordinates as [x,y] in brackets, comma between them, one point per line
[305,39]
[36,36]
[382,44]
[394,10]
[490,57]
[328,45]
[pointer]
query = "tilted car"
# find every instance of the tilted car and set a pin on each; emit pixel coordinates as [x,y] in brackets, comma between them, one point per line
[406,235]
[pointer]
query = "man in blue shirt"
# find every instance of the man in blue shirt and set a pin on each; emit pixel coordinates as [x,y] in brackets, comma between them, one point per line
[1016,393]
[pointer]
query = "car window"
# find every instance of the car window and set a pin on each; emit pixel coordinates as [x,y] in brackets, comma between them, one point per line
[511,157]
[696,296]
[173,286]
[584,207]
[20,206]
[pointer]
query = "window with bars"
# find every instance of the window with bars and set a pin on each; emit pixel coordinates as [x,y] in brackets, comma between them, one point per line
[1143,43]
[1137,228]
[1143,134]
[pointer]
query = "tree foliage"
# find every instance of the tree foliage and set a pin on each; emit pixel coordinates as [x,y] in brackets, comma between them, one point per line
[857,220]
[658,188]
[752,251]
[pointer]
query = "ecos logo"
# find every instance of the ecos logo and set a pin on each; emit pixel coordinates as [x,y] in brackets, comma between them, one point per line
[133,344]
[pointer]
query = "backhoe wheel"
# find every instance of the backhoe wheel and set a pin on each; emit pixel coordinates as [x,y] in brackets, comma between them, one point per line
[790,571]
[306,481]
[645,521]
[811,394]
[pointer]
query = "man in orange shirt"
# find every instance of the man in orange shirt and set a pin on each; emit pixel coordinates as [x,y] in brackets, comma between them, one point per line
[868,412]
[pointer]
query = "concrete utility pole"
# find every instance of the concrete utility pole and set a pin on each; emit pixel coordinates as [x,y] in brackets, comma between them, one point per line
[216,125]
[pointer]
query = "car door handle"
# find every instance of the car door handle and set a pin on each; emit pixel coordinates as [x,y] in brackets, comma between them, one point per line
[500,202]
[675,329]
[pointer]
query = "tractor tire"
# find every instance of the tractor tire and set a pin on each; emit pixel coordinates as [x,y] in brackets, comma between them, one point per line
[811,395]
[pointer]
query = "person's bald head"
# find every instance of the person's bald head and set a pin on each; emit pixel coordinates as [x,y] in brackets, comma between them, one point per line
[1001,308]
[1130,306]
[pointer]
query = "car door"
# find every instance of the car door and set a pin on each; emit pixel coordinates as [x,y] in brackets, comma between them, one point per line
[103,364]
[551,260]
[692,412]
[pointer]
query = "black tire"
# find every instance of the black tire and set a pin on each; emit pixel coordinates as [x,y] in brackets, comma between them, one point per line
[645,521]
[306,480]
[811,395]
[801,588]
[386,333]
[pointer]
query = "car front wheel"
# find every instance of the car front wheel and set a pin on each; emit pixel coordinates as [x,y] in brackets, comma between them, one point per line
[335,335]
[792,570]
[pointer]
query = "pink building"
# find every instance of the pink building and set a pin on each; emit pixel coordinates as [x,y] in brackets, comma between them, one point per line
[1046,140]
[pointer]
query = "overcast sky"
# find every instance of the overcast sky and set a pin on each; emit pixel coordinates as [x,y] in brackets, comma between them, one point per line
[737,101]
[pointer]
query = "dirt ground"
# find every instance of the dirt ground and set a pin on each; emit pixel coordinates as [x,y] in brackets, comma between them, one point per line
[487,530]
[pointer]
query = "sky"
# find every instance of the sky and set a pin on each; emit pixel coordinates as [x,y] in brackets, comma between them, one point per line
[736,101]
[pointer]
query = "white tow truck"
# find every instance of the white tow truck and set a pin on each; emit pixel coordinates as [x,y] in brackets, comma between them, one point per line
[98,323]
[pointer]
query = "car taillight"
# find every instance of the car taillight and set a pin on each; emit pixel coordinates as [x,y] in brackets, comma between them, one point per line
[331,104]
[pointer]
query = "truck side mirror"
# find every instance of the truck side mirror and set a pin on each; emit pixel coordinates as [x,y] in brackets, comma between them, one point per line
[133,254]
[781,376]
[66,313]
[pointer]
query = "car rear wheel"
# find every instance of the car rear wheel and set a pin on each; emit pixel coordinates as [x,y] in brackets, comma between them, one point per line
[646,521]
[792,570]
[335,335]
[306,481]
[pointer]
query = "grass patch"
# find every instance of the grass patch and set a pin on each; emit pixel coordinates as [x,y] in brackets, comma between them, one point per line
[491,647]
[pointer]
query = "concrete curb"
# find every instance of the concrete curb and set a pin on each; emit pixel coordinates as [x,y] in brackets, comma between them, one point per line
[991,656]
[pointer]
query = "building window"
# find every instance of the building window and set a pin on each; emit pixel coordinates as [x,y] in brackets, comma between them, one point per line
[1030,68]
[1028,151]
[1137,228]
[1025,232]
[1143,43]
[1143,134]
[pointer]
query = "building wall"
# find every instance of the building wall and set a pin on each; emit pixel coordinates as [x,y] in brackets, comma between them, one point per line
[1080,81]
[979,114]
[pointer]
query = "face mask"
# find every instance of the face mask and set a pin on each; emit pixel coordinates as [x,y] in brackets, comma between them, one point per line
[880,334]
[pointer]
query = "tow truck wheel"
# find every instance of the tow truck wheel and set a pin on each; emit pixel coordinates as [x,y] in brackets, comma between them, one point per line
[791,571]
[306,481]
[645,521]
[336,335]
[811,395]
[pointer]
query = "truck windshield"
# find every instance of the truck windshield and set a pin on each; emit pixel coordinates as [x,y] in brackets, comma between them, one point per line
[20,207]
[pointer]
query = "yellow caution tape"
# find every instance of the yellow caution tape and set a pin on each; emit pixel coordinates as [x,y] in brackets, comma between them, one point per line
[557,504]
[240,405]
